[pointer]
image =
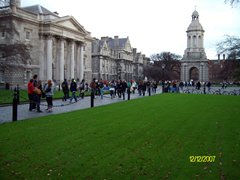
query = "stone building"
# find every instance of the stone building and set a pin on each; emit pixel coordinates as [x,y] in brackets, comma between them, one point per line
[114,58]
[59,47]
[194,65]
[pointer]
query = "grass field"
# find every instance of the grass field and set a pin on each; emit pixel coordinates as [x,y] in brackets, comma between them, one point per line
[6,96]
[147,138]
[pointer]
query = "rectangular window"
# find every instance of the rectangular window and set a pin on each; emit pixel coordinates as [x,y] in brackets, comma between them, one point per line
[2,76]
[2,55]
[3,34]
[27,35]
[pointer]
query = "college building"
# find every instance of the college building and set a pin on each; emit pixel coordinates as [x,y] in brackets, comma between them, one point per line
[114,58]
[34,40]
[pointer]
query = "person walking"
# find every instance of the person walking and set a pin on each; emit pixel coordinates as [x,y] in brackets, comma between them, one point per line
[65,90]
[82,88]
[73,89]
[101,88]
[112,90]
[49,95]
[123,88]
[35,91]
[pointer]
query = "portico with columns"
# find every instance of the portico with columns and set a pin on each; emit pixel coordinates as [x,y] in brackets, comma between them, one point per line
[63,55]
[59,47]
[66,63]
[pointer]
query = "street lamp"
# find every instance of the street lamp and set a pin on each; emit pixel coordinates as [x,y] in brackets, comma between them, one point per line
[163,67]
[163,81]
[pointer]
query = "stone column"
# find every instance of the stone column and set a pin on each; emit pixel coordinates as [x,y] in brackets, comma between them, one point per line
[42,64]
[72,60]
[78,61]
[182,72]
[201,72]
[61,61]
[81,63]
[187,73]
[49,57]
[100,68]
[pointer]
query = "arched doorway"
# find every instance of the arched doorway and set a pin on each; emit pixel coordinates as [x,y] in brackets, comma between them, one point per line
[194,74]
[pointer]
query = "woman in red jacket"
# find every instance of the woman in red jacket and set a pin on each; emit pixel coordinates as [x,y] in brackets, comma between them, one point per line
[30,94]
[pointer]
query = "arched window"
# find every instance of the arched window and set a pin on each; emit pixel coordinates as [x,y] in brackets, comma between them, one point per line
[194,41]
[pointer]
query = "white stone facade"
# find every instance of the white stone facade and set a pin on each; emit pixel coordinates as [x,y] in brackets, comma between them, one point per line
[194,58]
[59,46]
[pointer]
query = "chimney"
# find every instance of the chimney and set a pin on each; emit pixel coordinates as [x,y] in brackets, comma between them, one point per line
[134,50]
[104,38]
[18,3]
[116,41]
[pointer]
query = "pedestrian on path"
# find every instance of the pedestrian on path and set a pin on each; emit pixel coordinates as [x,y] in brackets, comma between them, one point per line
[73,89]
[82,88]
[30,94]
[65,90]
[49,95]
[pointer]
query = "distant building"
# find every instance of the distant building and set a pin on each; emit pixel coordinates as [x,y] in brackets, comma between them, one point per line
[223,69]
[114,58]
[194,65]
[59,47]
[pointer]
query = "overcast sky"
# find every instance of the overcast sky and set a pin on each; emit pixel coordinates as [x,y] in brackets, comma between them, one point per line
[152,26]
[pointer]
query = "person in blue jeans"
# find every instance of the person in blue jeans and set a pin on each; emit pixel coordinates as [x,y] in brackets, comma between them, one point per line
[73,89]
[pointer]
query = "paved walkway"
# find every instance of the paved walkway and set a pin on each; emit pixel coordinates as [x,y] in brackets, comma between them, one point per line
[60,107]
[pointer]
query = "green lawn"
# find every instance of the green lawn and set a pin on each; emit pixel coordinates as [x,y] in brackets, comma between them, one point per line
[6,96]
[147,138]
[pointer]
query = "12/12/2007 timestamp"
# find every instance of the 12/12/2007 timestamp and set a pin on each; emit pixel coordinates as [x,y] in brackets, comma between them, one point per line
[202,158]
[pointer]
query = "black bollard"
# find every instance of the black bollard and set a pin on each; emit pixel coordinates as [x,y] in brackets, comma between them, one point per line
[17,90]
[14,105]
[92,99]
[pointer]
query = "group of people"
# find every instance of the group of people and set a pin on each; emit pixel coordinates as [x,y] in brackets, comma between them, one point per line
[37,91]
[176,86]
[117,88]
[73,88]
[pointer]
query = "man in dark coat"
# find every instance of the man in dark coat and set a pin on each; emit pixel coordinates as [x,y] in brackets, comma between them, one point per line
[73,89]
[65,90]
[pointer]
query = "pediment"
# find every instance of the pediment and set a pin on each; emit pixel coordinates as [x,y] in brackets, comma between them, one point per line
[70,23]
[128,46]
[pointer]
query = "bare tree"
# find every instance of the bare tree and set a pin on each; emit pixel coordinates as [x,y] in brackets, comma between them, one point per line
[171,66]
[14,53]
[232,2]
[231,67]
[231,46]
[4,3]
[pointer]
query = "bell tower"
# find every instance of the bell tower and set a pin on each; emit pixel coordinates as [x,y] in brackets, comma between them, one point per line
[194,65]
